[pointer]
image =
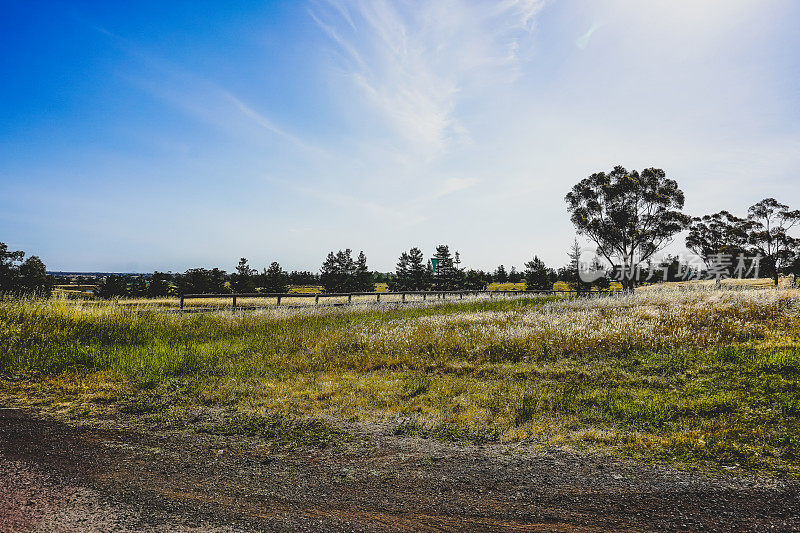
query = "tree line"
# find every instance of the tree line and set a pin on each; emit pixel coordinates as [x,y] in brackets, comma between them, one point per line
[628,215]
[340,272]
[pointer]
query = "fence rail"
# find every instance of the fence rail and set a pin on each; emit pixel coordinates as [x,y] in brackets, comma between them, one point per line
[440,295]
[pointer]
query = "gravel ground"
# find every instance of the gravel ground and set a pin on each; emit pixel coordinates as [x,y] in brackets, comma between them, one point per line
[59,477]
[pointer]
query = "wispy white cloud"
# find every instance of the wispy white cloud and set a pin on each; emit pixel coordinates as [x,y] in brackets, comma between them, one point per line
[195,94]
[583,41]
[414,61]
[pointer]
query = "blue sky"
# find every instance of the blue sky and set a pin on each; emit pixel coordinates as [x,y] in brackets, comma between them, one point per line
[165,135]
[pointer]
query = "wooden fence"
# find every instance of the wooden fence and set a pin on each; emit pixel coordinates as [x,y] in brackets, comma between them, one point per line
[405,297]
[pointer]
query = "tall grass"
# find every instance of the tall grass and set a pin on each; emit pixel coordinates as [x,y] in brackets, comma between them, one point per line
[709,376]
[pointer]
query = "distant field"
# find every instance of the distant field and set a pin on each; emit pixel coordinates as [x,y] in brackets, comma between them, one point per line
[506,286]
[706,377]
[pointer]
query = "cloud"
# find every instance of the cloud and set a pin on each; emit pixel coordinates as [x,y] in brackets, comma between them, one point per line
[583,41]
[453,185]
[415,61]
[196,95]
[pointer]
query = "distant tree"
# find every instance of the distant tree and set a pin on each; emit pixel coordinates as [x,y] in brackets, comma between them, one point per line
[363,277]
[243,280]
[768,233]
[720,233]
[475,280]
[418,271]
[113,286]
[515,276]
[429,277]
[303,277]
[537,276]
[500,275]
[159,284]
[330,277]
[602,281]
[445,277]
[33,277]
[137,286]
[275,279]
[338,272]
[571,273]
[402,281]
[629,215]
[202,281]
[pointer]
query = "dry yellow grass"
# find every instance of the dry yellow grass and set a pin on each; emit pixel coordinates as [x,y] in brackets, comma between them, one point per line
[708,376]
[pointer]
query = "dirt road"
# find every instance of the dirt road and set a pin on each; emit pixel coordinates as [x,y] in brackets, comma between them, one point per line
[57,477]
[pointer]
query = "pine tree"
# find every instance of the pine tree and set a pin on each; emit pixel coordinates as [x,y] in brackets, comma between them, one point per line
[500,275]
[537,276]
[243,281]
[275,279]
[328,274]
[445,272]
[363,277]
[402,273]
[572,272]
[417,270]
[339,273]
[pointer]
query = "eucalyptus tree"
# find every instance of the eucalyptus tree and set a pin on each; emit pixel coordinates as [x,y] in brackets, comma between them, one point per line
[769,235]
[629,215]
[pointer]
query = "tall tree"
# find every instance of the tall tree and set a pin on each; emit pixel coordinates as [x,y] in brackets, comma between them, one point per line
[771,222]
[629,215]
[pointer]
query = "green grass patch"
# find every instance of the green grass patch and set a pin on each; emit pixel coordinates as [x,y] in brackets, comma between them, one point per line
[708,378]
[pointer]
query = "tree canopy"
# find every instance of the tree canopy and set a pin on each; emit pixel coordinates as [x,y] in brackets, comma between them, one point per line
[629,215]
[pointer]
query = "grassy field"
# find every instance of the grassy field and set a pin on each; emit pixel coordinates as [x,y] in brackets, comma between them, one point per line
[702,377]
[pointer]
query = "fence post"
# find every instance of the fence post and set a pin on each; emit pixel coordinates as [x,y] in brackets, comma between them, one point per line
[403,297]
[181,302]
[234,303]
[379,298]
[349,298]
[424,296]
[279,302]
[316,299]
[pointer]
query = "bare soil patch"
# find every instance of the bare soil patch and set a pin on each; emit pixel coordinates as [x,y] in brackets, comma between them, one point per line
[59,476]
